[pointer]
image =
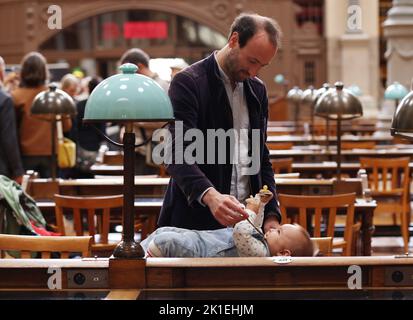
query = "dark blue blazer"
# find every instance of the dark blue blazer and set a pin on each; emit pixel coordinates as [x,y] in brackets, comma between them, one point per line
[10,160]
[199,99]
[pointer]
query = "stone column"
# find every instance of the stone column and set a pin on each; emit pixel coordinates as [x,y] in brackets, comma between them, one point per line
[353,48]
[398,30]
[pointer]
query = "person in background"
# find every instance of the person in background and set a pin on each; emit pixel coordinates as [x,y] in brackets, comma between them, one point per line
[70,84]
[10,160]
[143,131]
[176,66]
[87,139]
[141,59]
[11,81]
[34,131]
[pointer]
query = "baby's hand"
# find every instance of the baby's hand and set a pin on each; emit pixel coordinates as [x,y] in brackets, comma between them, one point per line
[253,204]
[265,194]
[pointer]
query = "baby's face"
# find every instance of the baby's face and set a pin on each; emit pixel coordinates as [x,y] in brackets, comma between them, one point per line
[283,237]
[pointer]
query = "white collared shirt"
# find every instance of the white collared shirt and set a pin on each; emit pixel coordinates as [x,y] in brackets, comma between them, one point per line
[240,188]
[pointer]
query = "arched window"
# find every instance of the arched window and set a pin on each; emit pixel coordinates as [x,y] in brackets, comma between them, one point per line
[134,28]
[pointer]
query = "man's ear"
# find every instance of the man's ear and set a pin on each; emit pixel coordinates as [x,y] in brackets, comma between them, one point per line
[233,40]
[284,252]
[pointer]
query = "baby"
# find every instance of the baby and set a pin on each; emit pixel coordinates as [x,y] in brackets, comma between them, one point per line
[286,239]
[244,240]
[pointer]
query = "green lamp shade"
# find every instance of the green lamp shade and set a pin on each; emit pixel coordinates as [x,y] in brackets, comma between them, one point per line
[355,90]
[128,97]
[338,103]
[53,101]
[402,124]
[395,91]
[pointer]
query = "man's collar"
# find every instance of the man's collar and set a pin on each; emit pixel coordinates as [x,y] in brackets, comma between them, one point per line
[222,73]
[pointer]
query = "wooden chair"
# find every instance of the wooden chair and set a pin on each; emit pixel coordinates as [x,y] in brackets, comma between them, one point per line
[46,245]
[313,208]
[279,145]
[282,165]
[324,245]
[97,219]
[348,145]
[320,129]
[389,180]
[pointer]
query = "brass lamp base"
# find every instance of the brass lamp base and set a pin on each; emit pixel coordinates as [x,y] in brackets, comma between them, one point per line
[128,250]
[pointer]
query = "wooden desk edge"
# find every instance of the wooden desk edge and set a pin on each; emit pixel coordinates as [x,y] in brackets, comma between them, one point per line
[211,262]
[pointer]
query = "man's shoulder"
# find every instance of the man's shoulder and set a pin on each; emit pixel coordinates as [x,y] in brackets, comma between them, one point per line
[196,71]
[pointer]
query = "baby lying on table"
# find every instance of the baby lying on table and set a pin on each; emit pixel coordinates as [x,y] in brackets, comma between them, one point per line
[244,240]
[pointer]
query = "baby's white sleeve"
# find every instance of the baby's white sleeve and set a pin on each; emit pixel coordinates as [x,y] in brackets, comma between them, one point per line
[247,245]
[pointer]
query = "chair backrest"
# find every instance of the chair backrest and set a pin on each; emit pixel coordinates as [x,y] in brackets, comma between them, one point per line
[46,245]
[322,211]
[93,206]
[348,145]
[389,181]
[324,245]
[282,165]
[387,174]
[279,145]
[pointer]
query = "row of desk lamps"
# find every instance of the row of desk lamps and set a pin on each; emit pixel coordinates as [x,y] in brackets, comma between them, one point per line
[339,103]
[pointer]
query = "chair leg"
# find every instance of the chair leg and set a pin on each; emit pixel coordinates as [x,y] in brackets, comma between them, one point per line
[405,229]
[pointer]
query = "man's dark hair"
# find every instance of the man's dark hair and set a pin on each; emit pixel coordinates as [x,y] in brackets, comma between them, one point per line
[247,25]
[34,70]
[135,56]
[93,83]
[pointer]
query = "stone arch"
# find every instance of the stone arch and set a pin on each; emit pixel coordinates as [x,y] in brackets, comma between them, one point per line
[81,12]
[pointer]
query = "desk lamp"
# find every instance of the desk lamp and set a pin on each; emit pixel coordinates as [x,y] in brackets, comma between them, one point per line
[338,104]
[309,98]
[355,90]
[294,97]
[319,93]
[396,92]
[402,123]
[127,98]
[49,105]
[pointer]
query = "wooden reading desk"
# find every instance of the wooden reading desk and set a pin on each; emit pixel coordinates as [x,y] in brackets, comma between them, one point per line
[187,278]
[318,155]
[321,140]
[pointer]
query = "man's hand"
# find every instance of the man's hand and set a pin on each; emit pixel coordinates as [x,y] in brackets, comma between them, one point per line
[226,209]
[270,222]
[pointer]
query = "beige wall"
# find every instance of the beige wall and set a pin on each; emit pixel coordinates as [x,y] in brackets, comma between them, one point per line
[354,58]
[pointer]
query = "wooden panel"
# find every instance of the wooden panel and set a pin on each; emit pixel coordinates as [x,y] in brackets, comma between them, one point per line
[126,273]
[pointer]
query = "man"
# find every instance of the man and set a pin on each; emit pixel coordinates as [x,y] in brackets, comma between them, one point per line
[10,160]
[222,92]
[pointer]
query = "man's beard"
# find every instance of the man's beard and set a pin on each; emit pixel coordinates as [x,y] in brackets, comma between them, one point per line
[231,64]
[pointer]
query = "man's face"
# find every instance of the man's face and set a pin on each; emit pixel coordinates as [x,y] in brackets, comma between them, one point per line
[246,62]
